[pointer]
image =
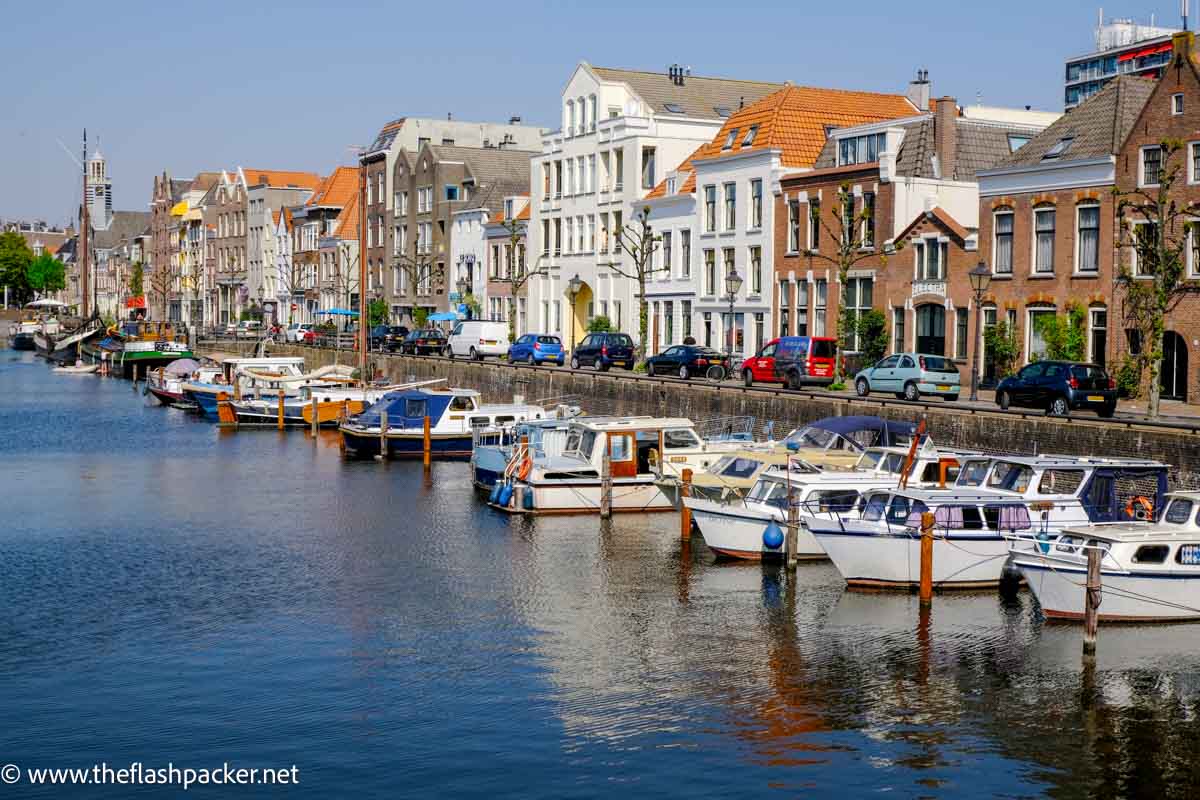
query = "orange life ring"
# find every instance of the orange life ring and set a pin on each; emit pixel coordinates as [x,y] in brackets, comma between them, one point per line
[1146,506]
[525,468]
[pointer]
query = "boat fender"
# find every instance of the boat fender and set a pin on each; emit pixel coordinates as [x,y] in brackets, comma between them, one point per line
[528,501]
[1140,507]
[1043,540]
[494,494]
[505,495]
[773,536]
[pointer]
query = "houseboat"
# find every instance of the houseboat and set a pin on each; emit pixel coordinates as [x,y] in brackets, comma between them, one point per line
[166,383]
[994,501]
[454,416]
[234,378]
[39,318]
[139,344]
[1148,572]
[495,449]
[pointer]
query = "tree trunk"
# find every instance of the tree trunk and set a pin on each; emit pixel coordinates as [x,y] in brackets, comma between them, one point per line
[1152,405]
[642,318]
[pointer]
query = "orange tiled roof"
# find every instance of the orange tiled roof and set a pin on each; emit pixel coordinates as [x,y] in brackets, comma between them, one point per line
[938,215]
[337,189]
[689,183]
[794,120]
[280,178]
[347,220]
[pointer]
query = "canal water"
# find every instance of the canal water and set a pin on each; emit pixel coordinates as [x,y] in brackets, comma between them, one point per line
[172,592]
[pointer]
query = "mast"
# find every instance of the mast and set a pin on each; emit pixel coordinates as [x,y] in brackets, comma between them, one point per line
[83,237]
[363,334]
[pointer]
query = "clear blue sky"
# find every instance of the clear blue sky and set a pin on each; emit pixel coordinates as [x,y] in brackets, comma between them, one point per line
[197,86]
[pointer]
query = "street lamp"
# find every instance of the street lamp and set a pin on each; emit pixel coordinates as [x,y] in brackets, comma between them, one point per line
[980,277]
[733,283]
[574,286]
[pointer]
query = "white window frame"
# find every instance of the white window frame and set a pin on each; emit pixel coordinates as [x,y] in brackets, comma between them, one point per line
[1192,176]
[1033,239]
[1012,239]
[1091,330]
[1079,240]
[1030,311]
[1135,270]
[1193,263]
[756,204]
[1142,165]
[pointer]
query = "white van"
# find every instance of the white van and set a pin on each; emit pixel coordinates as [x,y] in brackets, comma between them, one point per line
[476,338]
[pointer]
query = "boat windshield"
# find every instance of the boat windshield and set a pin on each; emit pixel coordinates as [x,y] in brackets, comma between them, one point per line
[580,443]
[973,473]
[773,493]
[875,505]
[736,467]
[1178,512]
[815,438]
[1010,477]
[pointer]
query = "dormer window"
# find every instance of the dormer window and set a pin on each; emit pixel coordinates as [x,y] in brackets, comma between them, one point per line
[1060,148]
[674,108]
[861,149]
[722,111]
[1016,142]
[730,139]
[750,134]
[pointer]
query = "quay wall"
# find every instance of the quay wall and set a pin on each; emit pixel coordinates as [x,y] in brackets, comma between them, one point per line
[620,392]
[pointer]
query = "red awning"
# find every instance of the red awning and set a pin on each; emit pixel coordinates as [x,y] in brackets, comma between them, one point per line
[136,302]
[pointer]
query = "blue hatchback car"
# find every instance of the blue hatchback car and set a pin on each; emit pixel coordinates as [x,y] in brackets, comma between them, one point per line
[536,348]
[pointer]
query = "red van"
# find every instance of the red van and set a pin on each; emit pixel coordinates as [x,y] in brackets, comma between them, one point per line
[794,361]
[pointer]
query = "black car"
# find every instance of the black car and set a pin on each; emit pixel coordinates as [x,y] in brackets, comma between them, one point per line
[377,337]
[686,360]
[1060,387]
[603,350]
[423,342]
[394,336]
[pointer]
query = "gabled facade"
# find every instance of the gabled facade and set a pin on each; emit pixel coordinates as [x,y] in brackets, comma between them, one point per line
[481,248]
[324,244]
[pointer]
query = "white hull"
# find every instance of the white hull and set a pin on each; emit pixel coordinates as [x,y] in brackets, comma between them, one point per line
[894,560]
[737,532]
[1124,597]
[583,497]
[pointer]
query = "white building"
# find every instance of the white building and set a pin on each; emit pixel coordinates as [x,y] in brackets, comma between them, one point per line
[482,258]
[621,131]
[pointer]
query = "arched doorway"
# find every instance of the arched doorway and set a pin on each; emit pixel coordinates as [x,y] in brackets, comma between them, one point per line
[931,330]
[1174,376]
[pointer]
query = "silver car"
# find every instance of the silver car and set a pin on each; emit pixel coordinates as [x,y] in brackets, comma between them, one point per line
[909,376]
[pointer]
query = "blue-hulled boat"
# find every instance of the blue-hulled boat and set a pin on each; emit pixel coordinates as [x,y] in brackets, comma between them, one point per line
[494,450]
[455,415]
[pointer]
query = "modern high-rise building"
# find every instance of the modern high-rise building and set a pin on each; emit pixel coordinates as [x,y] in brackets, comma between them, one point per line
[1123,47]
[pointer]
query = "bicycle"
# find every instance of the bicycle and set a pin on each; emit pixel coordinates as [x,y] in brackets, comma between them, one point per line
[716,373]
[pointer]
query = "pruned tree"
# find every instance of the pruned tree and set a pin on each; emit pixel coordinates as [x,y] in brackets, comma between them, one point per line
[1153,226]
[162,283]
[640,242]
[420,273]
[854,235]
[519,273]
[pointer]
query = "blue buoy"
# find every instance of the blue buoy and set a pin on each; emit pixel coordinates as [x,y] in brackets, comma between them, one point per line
[528,503]
[495,493]
[505,495]
[773,536]
[1043,542]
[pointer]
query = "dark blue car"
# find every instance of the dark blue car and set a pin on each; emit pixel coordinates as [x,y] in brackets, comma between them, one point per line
[536,348]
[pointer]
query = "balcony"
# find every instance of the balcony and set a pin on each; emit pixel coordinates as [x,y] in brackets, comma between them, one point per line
[924,288]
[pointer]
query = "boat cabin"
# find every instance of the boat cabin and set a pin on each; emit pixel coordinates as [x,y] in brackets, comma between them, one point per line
[634,445]
[953,510]
[853,434]
[449,410]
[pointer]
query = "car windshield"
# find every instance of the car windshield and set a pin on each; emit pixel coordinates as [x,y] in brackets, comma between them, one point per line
[937,364]
[1088,372]
[619,340]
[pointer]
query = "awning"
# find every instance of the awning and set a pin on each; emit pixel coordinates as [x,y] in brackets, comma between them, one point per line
[443,316]
[341,312]
[179,209]
[136,302]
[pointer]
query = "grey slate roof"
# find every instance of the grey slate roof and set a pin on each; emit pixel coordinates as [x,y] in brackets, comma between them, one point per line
[697,97]
[1099,124]
[497,171]
[125,225]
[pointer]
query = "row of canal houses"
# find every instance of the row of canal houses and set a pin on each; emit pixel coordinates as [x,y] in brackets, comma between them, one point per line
[733,177]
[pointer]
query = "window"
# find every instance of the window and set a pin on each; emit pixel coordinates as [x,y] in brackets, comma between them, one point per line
[451,192]
[669,322]
[730,139]
[1097,335]
[1016,142]
[728,264]
[814,224]
[960,333]
[931,259]
[673,108]
[666,254]
[750,134]
[591,174]
[730,206]
[570,177]
[1176,104]
[793,243]
[710,209]
[759,326]
[1151,166]
[557,236]
[1194,162]
[1038,317]
[618,230]
[591,233]
[558,179]
[858,300]
[647,167]
[861,149]
[868,224]
[1002,246]
[802,308]
[708,328]
[1043,252]
[1144,234]
[755,270]
[898,329]
[592,116]
[756,200]
[685,309]
[1088,257]
[819,302]
[1059,148]
[404,202]
[685,253]
[619,168]
[710,271]
[848,220]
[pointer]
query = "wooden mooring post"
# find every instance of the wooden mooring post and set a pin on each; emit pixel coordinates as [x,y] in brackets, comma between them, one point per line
[1091,601]
[685,513]
[135,376]
[792,541]
[383,431]
[280,413]
[426,445]
[927,522]
[606,485]
[316,419]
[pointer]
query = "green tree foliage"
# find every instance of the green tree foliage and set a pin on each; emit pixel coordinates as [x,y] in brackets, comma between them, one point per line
[1065,336]
[1002,348]
[873,339]
[600,324]
[47,274]
[420,317]
[377,312]
[136,279]
[15,258]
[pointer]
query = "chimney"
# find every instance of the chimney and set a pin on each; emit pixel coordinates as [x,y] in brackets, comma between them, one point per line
[918,90]
[1183,43]
[514,120]
[945,139]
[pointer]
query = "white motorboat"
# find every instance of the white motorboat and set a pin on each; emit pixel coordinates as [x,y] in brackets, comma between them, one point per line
[495,450]
[78,369]
[753,528]
[1149,572]
[878,543]
[333,403]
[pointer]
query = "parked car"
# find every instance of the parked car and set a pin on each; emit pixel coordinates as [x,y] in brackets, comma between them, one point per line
[301,331]
[802,360]
[603,350]
[686,360]
[395,336]
[1060,387]
[537,348]
[423,342]
[249,327]
[761,365]
[909,376]
[477,339]
[312,335]
[231,328]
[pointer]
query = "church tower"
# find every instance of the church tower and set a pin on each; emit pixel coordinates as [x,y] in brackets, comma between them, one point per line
[99,192]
